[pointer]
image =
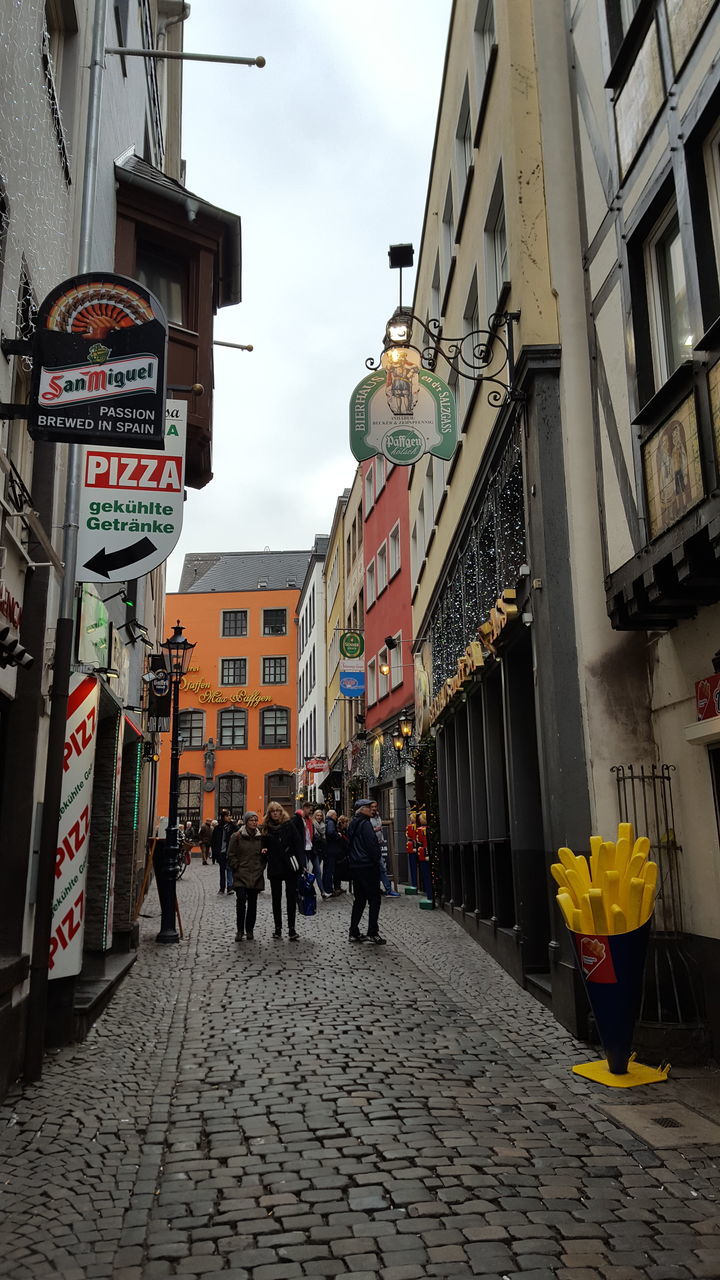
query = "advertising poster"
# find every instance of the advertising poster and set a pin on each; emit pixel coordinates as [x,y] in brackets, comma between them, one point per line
[68,914]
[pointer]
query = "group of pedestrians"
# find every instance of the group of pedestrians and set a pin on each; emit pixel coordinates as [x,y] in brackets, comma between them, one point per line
[281,847]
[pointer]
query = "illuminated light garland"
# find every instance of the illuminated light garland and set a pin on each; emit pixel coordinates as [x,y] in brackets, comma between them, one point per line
[138,778]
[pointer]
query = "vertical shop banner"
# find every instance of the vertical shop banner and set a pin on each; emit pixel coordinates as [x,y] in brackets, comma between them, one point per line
[68,913]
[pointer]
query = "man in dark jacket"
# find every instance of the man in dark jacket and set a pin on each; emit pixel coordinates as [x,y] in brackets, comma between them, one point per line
[219,845]
[365,869]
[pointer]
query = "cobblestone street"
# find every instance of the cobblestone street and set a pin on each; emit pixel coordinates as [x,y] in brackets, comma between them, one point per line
[276,1110]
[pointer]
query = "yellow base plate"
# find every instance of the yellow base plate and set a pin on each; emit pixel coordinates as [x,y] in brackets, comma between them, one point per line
[636,1073]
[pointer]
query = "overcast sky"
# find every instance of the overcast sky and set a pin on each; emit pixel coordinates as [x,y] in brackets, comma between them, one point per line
[325,154]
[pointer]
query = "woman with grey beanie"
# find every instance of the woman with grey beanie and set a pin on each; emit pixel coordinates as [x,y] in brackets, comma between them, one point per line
[245,858]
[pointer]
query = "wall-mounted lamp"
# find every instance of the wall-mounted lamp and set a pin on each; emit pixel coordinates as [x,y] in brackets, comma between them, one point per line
[136,631]
[123,596]
[110,673]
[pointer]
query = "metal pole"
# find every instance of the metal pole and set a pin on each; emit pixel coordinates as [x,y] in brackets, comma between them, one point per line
[186,57]
[170,852]
[62,666]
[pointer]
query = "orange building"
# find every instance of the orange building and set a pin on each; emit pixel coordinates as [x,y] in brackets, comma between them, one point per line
[238,702]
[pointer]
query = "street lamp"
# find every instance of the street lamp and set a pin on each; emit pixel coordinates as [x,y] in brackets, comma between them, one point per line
[176,653]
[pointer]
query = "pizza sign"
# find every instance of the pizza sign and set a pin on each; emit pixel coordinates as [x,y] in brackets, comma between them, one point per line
[99,355]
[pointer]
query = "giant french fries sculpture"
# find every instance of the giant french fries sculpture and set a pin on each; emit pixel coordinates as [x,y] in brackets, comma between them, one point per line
[614,891]
[607,901]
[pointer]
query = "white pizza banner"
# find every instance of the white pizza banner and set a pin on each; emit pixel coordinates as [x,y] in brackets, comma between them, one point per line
[131,505]
[68,912]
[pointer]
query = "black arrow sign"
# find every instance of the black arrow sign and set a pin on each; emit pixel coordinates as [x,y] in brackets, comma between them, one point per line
[105,563]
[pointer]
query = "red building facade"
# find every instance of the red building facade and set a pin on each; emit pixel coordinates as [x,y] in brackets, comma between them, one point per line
[388,640]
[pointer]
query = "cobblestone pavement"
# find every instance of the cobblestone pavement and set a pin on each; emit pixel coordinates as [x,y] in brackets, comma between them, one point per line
[274,1110]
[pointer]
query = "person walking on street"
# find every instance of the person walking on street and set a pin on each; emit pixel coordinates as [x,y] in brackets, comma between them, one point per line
[377,826]
[319,850]
[244,857]
[303,824]
[333,852]
[365,870]
[204,835]
[282,847]
[219,846]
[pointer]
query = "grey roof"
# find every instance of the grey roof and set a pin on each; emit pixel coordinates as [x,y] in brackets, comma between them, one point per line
[137,172]
[243,570]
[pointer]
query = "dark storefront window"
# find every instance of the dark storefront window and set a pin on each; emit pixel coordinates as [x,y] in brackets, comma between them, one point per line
[189,797]
[231,793]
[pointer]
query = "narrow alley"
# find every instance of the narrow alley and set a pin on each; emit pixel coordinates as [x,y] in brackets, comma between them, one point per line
[272,1110]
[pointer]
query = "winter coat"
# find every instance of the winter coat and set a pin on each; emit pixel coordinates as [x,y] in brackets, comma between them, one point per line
[205,833]
[245,859]
[216,839]
[282,841]
[319,838]
[364,844]
[334,840]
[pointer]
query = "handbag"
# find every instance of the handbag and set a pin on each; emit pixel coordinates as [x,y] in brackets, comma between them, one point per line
[306,894]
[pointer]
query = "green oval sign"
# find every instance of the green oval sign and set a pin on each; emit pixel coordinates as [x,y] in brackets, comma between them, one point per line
[352,644]
[404,445]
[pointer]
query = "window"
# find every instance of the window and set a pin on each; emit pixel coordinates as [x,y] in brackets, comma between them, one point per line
[232,728]
[370,587]
[369,490]
[274,670]
[165,275]
[435,292]
[447,243]
[57,43]
[233,671]
[189,798]
[671,331]
[463,140]
[234,622]
[382,573]
[371,682]
[484,41]
[274,622]
[394,543]
[4,223]
[231,793]
[379,473]
[275,727]
[383,683]
[396,668]
[496,250]
[333,580]
[190,728]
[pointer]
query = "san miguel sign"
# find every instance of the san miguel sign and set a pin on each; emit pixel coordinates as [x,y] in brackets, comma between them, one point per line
[99,355]
[402,411]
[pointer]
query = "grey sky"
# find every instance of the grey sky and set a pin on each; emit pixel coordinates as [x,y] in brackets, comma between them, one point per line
[325,154]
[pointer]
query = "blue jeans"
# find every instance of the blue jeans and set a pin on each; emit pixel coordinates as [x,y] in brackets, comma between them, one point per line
[328,880]
[385,880]
[314,860]
[226,875]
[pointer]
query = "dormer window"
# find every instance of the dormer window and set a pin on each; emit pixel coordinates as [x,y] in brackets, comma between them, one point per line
[166,276]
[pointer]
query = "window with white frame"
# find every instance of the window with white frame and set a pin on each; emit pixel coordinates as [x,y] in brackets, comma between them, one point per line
[371,682]
[497,270]
[333,580]
[370,592]
[382,573]
[383,679]
[484,41]
[463,140]
[669,313]
[394,548]
[379,474]
[448,234]
[369,490]
[435,291]
[414,553]
[396,667]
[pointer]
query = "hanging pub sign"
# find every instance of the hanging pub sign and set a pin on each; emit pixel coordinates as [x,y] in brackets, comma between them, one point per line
[402,411]
[99,357]
[159,698]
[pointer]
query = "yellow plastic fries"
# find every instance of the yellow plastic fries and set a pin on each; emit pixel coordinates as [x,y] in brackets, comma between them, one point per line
[611,892]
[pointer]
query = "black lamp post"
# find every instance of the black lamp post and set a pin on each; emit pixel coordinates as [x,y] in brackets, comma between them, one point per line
[177,652]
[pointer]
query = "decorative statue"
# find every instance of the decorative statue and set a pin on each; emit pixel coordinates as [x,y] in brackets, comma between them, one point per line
[209,754]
